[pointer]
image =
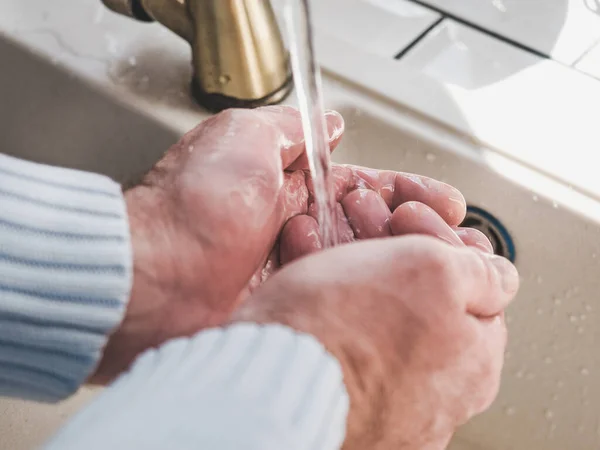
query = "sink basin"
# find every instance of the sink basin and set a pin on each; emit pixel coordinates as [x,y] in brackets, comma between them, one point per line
[61,116]
[550,388]
[58,119]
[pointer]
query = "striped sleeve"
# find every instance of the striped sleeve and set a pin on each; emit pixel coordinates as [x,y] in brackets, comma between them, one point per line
[65,275]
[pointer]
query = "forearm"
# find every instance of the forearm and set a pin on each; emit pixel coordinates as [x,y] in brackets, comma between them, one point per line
[246,386]
[65,274]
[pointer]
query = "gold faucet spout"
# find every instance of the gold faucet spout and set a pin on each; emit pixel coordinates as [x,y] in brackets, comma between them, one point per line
[173,14]
[239,59]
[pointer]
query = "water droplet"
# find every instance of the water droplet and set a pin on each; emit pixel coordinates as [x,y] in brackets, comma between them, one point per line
[539,311]
[190,148]
[520,373]
[112,44]
[557,301]
[582,317]
[588,308]
[535,198]
[539,279]
[499,5]
[510,411]
[555,205]
[594,255]
[580,330]
[580,429]
[575,289]
[585,372]
[530,376]
[548,360]
[144,83]
[132,60]
[554,397]
[224,79]
[430,157]
[549,414]
[572,318]
[560,384]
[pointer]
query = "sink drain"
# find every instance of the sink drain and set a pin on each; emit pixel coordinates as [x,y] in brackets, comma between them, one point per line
[494,230]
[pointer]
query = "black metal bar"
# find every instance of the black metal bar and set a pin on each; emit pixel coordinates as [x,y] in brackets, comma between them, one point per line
[480,28]
[408,48]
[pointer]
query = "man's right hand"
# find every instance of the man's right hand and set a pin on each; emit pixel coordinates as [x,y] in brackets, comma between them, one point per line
[416,324]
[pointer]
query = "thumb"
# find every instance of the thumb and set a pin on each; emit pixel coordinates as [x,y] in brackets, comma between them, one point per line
[289,121]
[490,282]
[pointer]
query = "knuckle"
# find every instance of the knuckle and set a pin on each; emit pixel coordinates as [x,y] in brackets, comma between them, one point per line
[234,114]
[441,265]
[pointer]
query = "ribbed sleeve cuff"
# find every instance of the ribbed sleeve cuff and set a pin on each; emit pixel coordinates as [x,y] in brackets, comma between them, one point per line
[246,386]
[65,275]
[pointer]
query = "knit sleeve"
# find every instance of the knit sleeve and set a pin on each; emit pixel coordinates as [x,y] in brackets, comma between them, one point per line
[65,276]
[245,387]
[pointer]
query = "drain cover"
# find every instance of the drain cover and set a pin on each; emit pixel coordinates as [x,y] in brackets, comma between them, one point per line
[494,230]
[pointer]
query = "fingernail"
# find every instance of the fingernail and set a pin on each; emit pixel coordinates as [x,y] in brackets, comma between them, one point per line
[508,273]
[335,124]
[467,235]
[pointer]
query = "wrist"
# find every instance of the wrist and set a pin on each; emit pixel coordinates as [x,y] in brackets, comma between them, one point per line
[122,344]
[362,370]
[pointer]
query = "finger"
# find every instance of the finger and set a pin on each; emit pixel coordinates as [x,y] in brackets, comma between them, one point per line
[474,238]
[344,230]
[342,179]
[489,283]
[239,144]
[335,131]
[493,339]
[299,237]
[288,119]
[294,195]
[367,213]
[417,218]
[397,188]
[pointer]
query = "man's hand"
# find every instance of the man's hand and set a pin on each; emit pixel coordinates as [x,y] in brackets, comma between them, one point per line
[416,323]
[205,222]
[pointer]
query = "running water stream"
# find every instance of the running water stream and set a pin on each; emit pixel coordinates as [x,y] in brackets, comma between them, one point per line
[307,79]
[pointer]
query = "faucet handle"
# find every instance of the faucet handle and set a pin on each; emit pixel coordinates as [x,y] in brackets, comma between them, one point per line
[129,8]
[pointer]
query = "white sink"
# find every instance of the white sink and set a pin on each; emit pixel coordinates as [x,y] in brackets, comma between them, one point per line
[76,114]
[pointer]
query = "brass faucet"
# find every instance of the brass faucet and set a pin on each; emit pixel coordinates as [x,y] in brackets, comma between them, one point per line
[239,59]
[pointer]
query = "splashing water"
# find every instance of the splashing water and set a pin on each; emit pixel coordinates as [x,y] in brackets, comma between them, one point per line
[307,78]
